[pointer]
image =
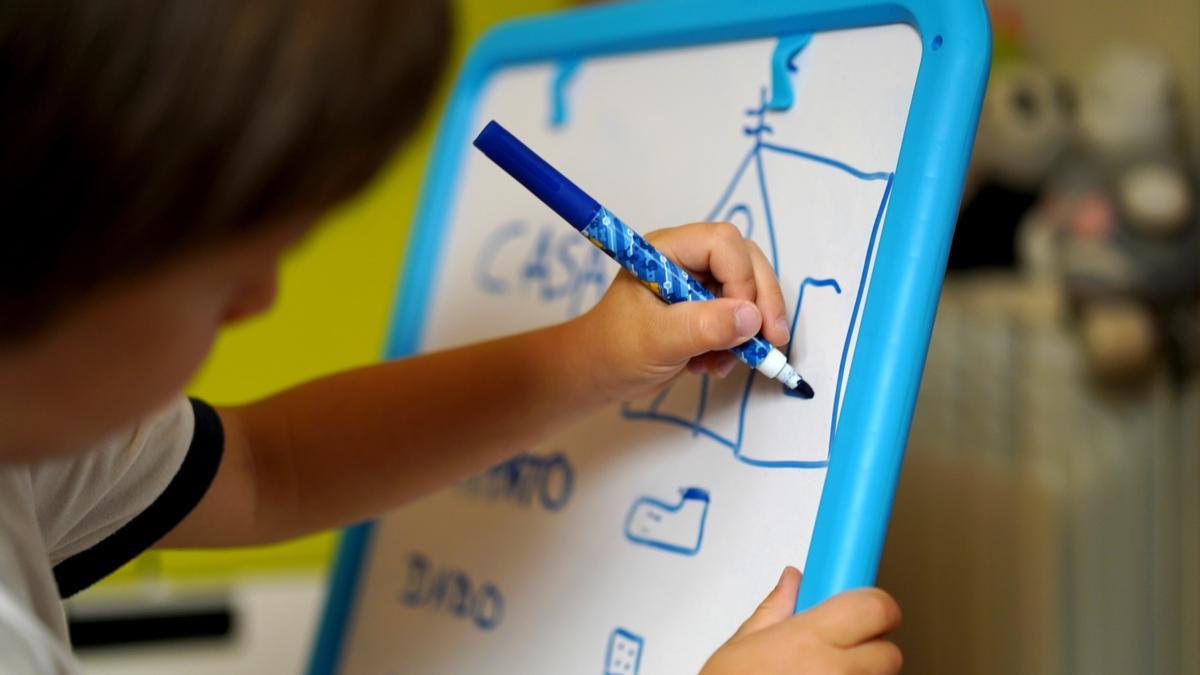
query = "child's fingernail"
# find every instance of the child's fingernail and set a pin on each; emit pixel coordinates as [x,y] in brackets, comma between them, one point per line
[726,367]
[746,320]
[781,327]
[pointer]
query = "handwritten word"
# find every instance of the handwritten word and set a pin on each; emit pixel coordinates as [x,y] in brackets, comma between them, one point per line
[526,480]
[555,264]
[452,591]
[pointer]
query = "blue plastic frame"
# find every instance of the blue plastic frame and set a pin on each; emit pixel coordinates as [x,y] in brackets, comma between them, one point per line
[881,393]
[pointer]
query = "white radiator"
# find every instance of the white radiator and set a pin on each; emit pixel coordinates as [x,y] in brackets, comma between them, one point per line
[1043,526]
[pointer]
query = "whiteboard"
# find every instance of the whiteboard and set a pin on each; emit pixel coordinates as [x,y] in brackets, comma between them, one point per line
[638,540]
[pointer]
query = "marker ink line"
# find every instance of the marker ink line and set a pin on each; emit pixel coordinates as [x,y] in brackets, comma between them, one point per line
[668,281]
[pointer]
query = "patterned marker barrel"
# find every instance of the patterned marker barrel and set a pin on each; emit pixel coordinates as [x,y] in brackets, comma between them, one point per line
[668,280]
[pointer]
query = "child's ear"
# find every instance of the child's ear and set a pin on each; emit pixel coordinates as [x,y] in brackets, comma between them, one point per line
[252,297]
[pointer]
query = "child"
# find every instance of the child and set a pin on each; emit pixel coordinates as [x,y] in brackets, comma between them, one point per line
[158,159]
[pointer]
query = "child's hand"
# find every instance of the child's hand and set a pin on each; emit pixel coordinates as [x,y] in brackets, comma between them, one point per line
[636,344]
[844,634]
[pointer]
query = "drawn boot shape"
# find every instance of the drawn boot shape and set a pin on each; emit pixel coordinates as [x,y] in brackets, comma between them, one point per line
[677,528]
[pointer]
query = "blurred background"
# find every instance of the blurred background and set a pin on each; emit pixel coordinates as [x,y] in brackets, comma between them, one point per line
[1048,518]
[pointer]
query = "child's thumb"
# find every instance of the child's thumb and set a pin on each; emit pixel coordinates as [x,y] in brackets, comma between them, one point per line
[779,604]
[694,328]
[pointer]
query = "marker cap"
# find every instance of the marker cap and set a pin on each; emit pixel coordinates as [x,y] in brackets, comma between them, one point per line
[543,180]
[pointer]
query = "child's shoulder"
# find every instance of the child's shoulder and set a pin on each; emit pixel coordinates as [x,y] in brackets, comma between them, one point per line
[98,509]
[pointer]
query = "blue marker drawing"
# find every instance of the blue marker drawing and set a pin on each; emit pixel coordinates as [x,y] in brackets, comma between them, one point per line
[560,113]
[743,214]
[815,283]
[526,480]
[484,277]
[624,653]
[783,62]
[450,590]
[675,528]
[548,263]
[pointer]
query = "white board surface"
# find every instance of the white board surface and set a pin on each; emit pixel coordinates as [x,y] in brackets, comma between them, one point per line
[638,541]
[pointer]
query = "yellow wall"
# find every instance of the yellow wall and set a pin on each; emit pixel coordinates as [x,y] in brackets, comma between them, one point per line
[333,309]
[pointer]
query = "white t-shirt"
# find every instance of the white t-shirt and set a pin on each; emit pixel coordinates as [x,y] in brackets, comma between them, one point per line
[67,523]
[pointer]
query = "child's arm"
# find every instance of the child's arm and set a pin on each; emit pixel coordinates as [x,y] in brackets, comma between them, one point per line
[356,444]
[844,634]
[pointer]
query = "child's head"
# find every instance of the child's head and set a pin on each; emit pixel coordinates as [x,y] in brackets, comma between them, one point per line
[157,159]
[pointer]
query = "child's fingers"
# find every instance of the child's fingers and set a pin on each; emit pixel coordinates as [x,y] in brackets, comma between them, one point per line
[715,249]
[688,329]
[717,364]
[723,363]
[720,252]
[855,617]
[702,364]
[769,297]
[878,657]
[779,604]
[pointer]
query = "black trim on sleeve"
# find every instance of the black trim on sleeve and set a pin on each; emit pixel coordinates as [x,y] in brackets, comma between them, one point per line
[181,495]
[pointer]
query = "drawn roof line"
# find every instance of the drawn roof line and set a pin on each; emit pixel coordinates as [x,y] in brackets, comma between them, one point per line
[828,161]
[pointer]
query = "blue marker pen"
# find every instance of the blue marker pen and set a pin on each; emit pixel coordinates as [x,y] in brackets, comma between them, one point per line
[668,281]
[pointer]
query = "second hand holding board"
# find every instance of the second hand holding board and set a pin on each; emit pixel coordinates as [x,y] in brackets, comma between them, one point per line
[669,281]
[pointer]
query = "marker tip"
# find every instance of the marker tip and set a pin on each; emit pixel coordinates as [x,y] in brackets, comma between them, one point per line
[805,390]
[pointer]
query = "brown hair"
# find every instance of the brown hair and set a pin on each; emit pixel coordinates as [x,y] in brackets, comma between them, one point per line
[136,130]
